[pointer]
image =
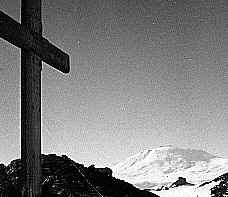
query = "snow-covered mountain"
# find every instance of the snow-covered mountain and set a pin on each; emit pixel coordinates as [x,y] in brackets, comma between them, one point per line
[163,166]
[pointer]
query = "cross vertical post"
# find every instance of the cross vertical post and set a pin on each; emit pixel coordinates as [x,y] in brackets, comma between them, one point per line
[34,49]
[31,103]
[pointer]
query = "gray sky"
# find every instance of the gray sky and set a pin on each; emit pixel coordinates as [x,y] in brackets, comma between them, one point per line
[144,73]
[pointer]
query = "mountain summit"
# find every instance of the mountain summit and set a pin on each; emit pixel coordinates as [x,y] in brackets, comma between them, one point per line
[163,165]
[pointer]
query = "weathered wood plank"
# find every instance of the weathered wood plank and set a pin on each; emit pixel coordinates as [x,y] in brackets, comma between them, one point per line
[31,102]
[18,35]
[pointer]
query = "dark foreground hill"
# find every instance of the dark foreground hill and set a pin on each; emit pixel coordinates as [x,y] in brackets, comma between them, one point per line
[62,177]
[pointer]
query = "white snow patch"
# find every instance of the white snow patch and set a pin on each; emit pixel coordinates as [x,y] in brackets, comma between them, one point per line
[187,191]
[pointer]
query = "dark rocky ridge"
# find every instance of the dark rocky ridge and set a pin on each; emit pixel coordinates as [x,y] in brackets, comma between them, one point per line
[180,182]
[62,177]
[221,189]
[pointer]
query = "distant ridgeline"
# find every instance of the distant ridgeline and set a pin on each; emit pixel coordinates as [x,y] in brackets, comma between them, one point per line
[62,177]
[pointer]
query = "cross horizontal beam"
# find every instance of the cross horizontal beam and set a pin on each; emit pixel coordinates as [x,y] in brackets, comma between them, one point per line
[18,35]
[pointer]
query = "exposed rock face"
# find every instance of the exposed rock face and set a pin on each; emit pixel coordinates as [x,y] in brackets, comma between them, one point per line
[181,181]
[62,177]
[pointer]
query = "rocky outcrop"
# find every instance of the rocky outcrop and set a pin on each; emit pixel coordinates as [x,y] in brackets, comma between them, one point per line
[221,187]
[181,181]
[62,177]
[104,171]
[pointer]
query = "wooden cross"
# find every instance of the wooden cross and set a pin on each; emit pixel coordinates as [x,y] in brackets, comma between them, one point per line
[34,49]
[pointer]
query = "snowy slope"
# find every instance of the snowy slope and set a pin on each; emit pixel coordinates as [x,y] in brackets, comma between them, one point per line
[187,191]
[215,188]
[162,166]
